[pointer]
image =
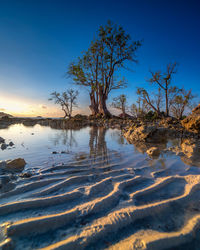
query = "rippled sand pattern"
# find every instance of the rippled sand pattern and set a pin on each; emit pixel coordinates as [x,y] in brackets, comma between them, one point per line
[125,203]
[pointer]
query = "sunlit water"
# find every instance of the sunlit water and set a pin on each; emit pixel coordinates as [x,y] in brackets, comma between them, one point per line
[36,144]
[93,186]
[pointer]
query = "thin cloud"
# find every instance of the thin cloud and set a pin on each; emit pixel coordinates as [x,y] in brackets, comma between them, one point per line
[43,106]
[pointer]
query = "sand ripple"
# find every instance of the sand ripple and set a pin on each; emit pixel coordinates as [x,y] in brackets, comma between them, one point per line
[117,206]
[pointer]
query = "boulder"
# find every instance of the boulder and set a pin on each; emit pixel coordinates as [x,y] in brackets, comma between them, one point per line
[11,144]
[144,133]
[15,165]
[4,146]
[2,140]
[192,122]
[191,148]
[153,152]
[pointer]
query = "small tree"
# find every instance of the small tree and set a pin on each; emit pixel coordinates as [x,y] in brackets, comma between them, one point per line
[153,104]
[120,103]
[134,110]
[140,108]
[163,80]
[67,101]
[180,102]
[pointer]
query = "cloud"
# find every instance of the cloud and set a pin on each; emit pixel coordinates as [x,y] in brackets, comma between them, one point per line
[43,106]
[1,109]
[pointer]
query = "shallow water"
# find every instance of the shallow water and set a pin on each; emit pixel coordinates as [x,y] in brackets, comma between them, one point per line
[100,193]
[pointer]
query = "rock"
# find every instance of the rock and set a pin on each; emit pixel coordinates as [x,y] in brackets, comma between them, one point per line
[26,175]
[146,133]
[191,148]
[153,151]
[15,165]
[11,144]
[54,152]
[3,146]
[2,140]
[169,122]
[192,122]
[63,152]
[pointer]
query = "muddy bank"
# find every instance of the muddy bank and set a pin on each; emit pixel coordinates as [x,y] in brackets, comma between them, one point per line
[78,121]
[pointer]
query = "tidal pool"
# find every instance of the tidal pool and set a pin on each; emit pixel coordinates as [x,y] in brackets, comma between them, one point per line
[97,191]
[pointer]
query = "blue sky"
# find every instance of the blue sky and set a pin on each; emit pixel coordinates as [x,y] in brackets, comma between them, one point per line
[38,39]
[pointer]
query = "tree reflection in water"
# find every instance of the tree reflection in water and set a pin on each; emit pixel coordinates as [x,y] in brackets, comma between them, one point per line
[97,144]
[64,137]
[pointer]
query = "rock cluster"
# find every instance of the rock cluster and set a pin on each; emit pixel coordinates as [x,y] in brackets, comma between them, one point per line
[4,145]
[192,122]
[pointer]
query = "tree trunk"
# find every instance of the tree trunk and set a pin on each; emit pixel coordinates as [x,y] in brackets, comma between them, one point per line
[123,112]
[102,104]
[94,105]
[166,101]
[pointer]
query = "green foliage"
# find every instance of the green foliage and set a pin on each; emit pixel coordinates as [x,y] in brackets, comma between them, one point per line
[151,116]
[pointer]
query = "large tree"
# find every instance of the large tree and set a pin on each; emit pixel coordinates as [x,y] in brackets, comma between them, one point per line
[97,68]
[67,101]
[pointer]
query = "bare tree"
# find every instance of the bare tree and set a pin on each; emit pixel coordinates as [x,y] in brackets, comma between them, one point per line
[163,80]
[67,101]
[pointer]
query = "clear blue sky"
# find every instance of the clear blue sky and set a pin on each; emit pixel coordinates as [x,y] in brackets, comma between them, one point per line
[38,39]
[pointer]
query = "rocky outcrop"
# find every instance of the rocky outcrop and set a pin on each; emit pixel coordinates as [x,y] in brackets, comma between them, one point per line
[145,133]
[192,122]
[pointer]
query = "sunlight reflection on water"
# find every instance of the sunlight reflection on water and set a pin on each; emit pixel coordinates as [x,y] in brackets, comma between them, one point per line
[36,144]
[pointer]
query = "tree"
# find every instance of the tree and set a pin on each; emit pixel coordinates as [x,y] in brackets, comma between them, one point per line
[67,101]
[153,104]
[120,102]
[134,110]
[180,102]
[97,69]
[85,72]
[163,80]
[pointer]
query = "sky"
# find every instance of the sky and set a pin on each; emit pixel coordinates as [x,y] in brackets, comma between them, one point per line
[39,38]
